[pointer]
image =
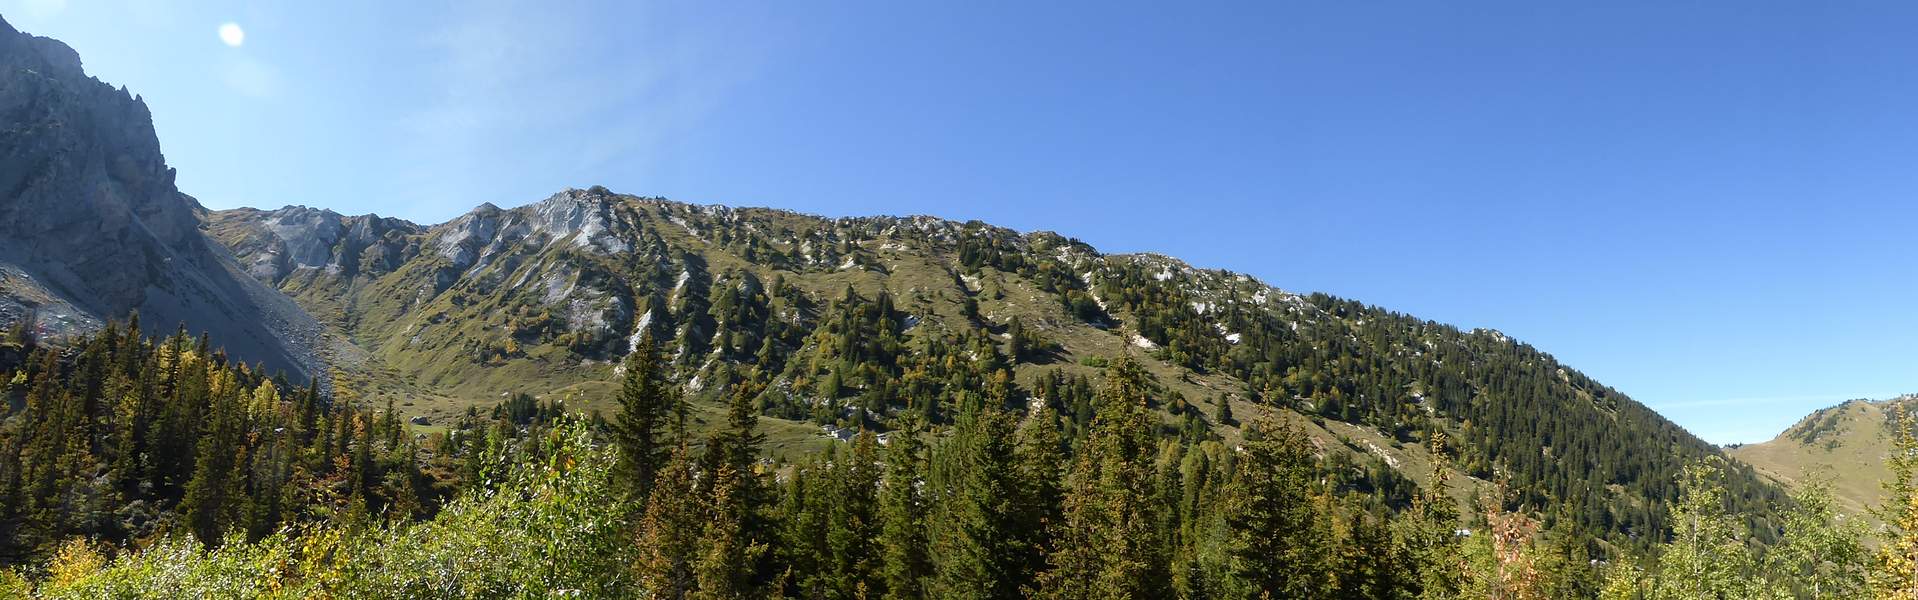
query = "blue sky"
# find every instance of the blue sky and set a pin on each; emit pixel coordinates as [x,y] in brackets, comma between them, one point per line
[1706,205]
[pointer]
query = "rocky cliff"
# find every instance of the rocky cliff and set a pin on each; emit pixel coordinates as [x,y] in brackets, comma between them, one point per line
[92,227]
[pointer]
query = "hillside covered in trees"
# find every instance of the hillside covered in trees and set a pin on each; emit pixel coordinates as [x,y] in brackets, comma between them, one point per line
[847,323]
[604,395]
[111,491]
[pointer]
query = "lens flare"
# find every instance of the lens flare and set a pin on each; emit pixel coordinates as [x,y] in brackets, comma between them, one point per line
[232,35]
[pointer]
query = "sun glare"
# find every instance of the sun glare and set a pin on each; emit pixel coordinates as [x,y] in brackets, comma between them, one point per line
[232,35]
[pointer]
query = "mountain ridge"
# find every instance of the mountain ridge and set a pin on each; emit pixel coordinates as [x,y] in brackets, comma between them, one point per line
[827,324]
[545,298]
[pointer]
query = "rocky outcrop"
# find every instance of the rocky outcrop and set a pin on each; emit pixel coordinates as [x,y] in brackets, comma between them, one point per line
[92,227]
[278,243]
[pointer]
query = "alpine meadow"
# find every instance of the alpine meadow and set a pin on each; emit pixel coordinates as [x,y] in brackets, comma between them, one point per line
[587,393]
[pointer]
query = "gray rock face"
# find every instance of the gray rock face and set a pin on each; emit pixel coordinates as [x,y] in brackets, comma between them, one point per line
[92,227]
[280,242]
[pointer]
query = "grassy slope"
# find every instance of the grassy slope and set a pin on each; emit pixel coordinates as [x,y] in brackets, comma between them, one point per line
[1844,444]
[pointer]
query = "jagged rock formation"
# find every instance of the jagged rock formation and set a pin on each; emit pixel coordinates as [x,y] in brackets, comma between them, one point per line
[92,227]
[298,238]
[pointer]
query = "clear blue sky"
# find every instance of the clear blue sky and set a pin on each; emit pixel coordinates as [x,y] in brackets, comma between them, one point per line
[1707,205]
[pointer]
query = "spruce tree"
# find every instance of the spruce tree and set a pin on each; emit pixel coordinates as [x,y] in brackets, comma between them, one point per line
[729,555]
[904,558]
[671,530]
[1278,541]
[646,400]
[972,533]
[1039,458]
[212,491]
[1107,546]
[1427,529]
[854,524]
[735,452]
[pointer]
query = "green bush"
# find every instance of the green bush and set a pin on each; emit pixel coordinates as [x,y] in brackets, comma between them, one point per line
[549,527]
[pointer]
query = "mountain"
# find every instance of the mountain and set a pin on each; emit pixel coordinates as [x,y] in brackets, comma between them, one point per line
[855,318]
[836,324]
[92,227]
[1845,445]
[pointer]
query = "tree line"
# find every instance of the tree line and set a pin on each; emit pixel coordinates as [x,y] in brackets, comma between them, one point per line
[277,498]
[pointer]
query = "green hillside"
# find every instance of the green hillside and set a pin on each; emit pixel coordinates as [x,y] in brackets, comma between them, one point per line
[1844,445]
[848,321]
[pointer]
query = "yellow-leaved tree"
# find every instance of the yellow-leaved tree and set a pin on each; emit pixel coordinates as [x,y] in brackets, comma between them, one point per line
[1895,575]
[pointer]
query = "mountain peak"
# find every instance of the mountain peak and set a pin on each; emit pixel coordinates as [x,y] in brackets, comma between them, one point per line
[95,228]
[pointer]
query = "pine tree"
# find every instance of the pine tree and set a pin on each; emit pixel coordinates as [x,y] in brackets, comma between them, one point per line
[1107,546]
[1038,457]
[735,452]
[739,444]
[1278,543]
[904,559]
[853,528]
[213,491]
[671,530]
[1427,531]
[645,400]
[972,533]
[726,568]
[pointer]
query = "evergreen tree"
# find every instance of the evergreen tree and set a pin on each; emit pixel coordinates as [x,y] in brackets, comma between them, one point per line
[734,452]
[214,487]
[1106,545]
[1039,457]
[1427,529]
[904,557]
[671,530]
[646,400]
[854,527]
[727,565]
[972,538]
[1278,542]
